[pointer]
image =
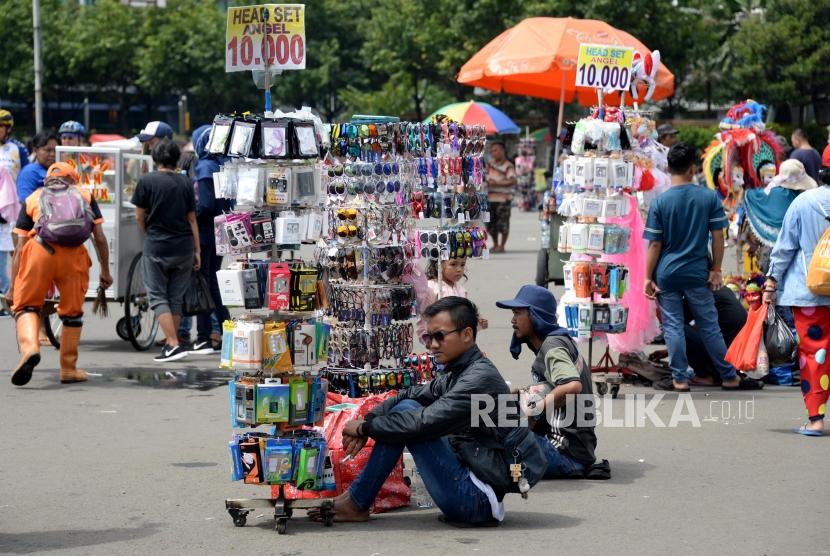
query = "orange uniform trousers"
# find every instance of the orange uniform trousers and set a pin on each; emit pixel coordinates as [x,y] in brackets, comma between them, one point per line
[67,268]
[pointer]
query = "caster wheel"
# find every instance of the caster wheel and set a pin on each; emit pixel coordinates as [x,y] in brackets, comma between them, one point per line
[615,391]
[239,518]
[282,523]
[602,388]
[121,329]
[328,521]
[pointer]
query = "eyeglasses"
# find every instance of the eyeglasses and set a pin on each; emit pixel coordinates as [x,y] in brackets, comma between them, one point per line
[438,336]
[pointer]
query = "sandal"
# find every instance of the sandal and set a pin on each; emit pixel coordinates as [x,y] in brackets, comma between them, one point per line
[745,383]
[802,430]
[668,385]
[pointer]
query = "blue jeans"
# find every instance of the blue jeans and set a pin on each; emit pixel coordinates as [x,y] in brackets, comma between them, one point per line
[560,466]
[446,478]
[4,271]
[702,304]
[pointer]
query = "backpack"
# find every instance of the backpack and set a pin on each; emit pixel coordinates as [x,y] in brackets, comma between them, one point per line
[818,274]
[65,217]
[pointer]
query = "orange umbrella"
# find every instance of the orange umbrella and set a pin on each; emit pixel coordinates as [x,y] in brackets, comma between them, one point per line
[538,57]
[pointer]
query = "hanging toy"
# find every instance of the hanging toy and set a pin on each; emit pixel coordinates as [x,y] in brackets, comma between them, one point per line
[644,70]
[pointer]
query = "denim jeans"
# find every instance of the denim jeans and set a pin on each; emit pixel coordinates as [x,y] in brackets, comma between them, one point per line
[211,263]
[560,466]
[446,479]
[702,304]
[4,271]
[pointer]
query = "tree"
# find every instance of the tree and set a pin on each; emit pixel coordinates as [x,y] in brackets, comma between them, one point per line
[781,54]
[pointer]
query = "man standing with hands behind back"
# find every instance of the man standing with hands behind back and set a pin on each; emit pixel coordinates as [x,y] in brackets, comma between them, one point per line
[501,181]
[678,267]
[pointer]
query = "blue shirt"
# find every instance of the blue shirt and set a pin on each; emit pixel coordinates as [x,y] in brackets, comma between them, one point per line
[803,226]
[810,159]
[681,219]
[30,178]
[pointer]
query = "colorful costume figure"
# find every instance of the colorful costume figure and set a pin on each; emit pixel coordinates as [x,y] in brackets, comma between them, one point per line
[744,157]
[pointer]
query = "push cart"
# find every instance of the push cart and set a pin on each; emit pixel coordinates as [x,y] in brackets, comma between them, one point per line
[111,174]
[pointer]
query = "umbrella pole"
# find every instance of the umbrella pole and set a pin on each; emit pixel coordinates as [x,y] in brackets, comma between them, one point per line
[558,144]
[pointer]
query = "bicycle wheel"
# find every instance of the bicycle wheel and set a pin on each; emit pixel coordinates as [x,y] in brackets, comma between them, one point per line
[142,325]
[52,323]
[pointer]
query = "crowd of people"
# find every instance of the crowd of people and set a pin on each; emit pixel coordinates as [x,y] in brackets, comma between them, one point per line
[175,208]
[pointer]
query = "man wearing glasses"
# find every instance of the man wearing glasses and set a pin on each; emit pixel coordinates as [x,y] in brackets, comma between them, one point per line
[433,422]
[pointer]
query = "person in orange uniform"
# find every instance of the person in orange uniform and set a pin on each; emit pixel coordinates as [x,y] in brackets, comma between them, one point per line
[38,263]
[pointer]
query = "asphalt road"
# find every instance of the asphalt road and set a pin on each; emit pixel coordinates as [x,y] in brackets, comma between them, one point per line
[135,462]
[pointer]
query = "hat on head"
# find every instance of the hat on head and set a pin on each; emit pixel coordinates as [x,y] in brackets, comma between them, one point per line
[6,118]
[155,129]
[531,295]
[541,304]
[792,175]
[62,171]
[666,129]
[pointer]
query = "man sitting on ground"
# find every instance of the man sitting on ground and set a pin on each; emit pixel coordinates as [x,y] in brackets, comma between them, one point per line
[433,421]
[568,446]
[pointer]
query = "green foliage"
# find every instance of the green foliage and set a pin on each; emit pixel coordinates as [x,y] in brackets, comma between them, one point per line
[698,136]
[781,55]
[401,56]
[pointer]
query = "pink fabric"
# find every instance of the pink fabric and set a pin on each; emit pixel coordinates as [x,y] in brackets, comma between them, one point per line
[642,314]
[9,205]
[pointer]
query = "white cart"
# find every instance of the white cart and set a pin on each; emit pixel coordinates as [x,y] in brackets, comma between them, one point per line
[111,175]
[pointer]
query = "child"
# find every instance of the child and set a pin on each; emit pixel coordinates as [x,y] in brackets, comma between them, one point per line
[452,271]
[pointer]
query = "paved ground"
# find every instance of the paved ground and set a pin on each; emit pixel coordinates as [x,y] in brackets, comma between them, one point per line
[135,462]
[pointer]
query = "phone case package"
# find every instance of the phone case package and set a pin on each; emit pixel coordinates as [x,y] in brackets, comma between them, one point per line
[279,461]
[220,133]
[305,140]
[242,139]
[274,139]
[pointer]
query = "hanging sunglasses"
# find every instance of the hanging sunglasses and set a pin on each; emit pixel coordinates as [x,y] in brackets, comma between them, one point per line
[347,214]
[335,171]
[347,231]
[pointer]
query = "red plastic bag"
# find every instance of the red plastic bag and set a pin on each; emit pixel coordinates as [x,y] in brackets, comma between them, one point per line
[743,353]
[394,494]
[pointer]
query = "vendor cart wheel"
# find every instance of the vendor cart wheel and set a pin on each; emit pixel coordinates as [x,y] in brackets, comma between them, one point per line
[121,329]
[602,388]
[53,325]
[142,324]
[282,524]
[240,517]
[542,268]
[328,520]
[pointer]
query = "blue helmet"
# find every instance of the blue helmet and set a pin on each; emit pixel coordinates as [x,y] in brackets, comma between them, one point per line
[72,128]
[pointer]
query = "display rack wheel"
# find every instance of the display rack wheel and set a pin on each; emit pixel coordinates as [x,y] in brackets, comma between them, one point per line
[142,325]
[542,268]
[282,524]
[121,329]
[602,388]
[615,391]
[240,518]
[52,323]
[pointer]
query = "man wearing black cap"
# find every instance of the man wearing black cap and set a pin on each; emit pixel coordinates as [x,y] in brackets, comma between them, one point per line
[559,373]
[667,135]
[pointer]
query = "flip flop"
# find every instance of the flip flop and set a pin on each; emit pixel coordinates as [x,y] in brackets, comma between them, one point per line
[807,432]
[667,384]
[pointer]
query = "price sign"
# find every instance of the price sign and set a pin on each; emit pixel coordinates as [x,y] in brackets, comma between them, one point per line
[604,67]
[269,35]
